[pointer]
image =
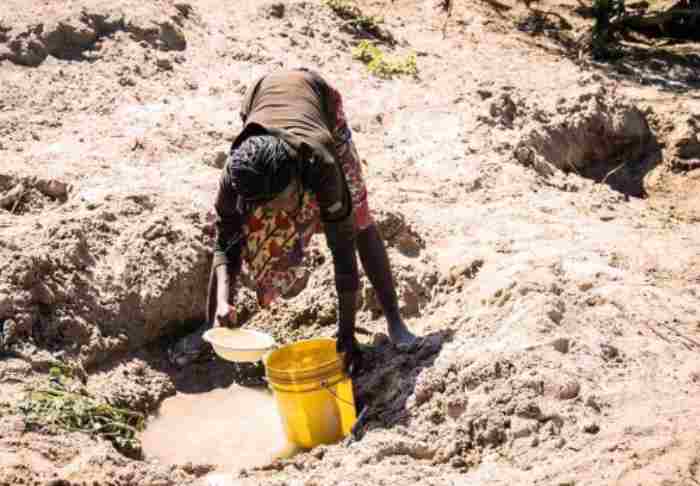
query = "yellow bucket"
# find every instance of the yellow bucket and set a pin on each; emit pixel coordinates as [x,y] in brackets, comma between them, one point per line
[313,393]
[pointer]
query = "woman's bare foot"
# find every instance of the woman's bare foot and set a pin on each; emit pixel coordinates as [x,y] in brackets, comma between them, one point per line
[400,336]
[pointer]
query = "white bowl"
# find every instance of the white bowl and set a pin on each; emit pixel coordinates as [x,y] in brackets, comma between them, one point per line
[239,345]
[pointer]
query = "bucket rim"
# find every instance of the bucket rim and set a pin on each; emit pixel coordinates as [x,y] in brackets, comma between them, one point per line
[304,373]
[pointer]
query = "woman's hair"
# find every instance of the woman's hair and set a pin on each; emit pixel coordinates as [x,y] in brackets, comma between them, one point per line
[261,167]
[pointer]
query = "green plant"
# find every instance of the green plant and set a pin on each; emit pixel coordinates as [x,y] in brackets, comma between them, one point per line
[380,66]
[56,407]
[357,20]
[60,371]
[352,13]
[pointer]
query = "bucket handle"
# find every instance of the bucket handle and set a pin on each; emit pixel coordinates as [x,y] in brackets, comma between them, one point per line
[326,386]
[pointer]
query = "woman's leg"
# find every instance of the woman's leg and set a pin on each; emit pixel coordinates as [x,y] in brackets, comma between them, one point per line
[375,262]
[370,246]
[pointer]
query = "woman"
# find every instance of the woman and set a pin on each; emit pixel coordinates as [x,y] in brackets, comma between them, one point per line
[293,169]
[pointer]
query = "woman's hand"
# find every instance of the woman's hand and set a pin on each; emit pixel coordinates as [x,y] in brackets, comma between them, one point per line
[350,352]
[225,315]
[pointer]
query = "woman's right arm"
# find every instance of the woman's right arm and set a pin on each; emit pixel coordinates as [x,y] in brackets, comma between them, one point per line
[226,264]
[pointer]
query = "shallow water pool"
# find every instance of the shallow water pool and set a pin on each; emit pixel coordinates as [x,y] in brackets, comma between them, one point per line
[233,428]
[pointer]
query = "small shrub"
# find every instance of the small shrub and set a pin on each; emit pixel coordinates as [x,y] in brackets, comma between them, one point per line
[352,13]
[57,407]
[357,20]
[380,66]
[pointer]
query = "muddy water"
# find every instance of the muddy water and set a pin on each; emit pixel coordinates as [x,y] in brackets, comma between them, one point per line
[241,339]
[233,428]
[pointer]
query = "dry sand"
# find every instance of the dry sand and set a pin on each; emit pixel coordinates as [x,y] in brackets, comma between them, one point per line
[560,316]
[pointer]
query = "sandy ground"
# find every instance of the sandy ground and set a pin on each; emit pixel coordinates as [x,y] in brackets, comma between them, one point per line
[560,316]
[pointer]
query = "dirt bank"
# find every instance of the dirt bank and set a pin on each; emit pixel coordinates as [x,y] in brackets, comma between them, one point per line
[540,210]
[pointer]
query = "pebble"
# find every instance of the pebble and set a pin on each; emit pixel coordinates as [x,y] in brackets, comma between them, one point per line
[569,390]
[456,408]
[592,402]
[164,64]
[556,315]
[273,9]
[562,345]
[58,482]
[585,286]
[407,244]
[54,188]
[591,427]
[529,410]
[609,352]
[108,216]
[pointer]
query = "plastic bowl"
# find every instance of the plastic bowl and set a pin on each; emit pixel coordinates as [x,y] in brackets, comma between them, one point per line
[239,345]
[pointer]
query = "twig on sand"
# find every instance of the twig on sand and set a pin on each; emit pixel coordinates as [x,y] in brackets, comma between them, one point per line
[612,172]
[447,6]
[16,204]
[688,342]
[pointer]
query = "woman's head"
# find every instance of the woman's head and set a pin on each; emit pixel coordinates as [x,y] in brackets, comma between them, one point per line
[261,168]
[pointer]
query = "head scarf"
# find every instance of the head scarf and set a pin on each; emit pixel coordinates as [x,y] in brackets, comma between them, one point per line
[261,167]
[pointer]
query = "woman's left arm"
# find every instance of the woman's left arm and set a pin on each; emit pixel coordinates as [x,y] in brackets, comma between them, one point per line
[339,227]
